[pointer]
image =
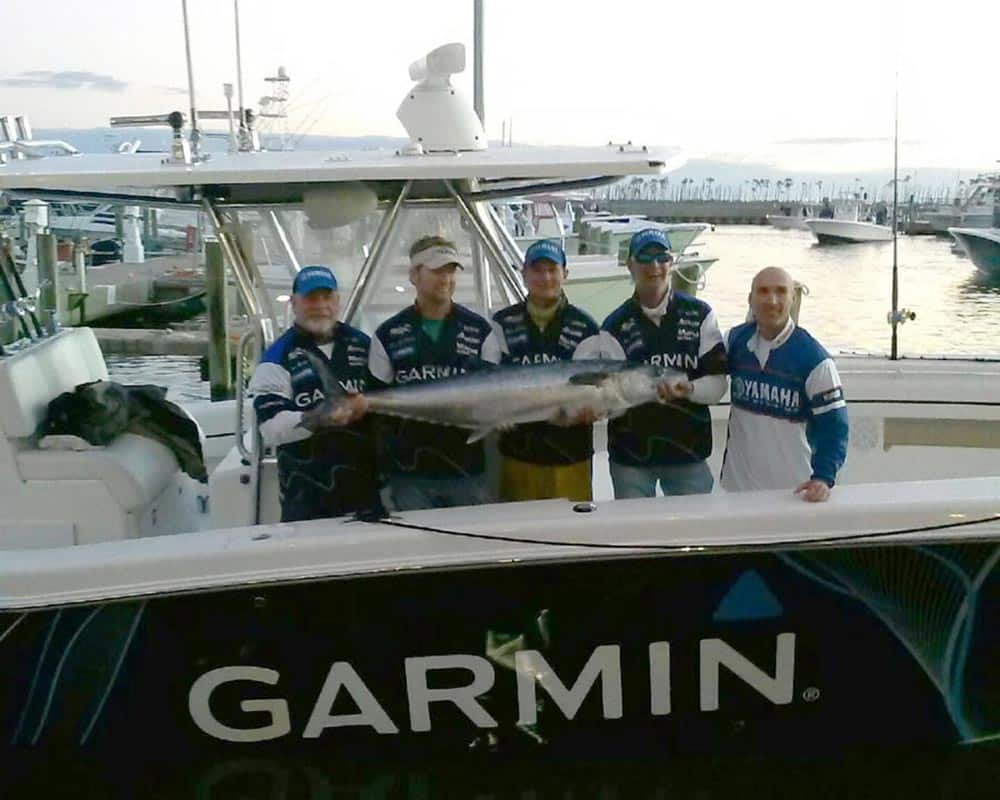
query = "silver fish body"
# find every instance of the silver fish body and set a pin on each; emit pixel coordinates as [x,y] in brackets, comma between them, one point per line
[501,397]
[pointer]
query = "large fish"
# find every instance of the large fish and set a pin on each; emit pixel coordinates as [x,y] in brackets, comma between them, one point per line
[498,398]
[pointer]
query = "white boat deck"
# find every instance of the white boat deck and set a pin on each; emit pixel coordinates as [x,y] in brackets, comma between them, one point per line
[337,549]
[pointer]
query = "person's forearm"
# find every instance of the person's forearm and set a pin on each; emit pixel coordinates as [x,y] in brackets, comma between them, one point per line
[708,389]
[830,435]
[284,428]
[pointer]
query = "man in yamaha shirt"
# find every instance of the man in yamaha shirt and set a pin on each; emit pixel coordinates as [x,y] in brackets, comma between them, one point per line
[432,466]
[326,460]
[663,443]
[788,421]
[542,459]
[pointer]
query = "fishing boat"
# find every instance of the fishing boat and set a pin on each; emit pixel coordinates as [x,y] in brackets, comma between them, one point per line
[974,210]
[982,246]
[149,622]
[847,231]
[610,233]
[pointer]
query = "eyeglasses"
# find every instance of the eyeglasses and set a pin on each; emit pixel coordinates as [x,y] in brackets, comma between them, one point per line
[658,258]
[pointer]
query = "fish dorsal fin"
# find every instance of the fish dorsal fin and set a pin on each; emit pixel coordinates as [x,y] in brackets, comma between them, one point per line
[589,378]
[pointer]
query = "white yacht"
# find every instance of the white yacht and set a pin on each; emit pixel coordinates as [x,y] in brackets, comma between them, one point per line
[149,622]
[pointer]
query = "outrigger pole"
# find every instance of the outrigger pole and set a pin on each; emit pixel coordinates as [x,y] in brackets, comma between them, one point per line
[477,62]
[239,67]
[195,133]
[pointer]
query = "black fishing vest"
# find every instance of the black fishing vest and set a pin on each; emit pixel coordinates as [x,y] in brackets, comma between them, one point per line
[540,442]
[333,471]
[679,432]
[421,449]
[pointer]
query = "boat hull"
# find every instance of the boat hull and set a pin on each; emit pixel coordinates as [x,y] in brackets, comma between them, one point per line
[774,652]
[982,246]
[840,231]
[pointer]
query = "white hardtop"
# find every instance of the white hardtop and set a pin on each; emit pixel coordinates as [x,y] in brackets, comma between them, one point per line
[154,170]
[910,513]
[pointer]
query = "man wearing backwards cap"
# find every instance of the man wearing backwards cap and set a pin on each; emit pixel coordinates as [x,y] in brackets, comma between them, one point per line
[663,443]
[542,460]
[432,466]
[326,462]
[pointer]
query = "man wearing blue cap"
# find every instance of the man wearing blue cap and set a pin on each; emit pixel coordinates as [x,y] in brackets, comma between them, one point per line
[663,443]
[326,461]
[542,460]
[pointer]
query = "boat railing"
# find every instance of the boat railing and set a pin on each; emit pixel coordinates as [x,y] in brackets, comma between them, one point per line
[245,350]
[17,141]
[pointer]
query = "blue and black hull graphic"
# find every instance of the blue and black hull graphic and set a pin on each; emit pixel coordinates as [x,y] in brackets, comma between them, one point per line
[812,651]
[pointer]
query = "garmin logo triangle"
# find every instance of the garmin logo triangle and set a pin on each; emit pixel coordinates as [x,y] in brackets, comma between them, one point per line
[748,598]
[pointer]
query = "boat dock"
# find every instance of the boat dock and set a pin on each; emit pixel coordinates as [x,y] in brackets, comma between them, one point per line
[716,212]
[740,212]
[152,342]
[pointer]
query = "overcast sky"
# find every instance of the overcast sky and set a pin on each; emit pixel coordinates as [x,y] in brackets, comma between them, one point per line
[804,86]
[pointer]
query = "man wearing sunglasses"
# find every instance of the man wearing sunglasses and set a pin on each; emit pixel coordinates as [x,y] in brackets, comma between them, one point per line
[664,443]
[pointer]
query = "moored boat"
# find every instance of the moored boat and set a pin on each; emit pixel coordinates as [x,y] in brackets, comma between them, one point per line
[845,231]
[981,245]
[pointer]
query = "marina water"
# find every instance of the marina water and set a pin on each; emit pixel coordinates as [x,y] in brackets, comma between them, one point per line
[957,309]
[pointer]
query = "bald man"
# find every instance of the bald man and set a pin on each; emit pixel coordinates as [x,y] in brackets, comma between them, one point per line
[788,419]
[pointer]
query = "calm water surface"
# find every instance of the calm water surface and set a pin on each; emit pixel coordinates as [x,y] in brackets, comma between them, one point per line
[958,311]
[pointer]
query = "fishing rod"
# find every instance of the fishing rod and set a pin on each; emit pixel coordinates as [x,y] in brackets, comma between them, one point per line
[894,318]
[16,296]
[13,298]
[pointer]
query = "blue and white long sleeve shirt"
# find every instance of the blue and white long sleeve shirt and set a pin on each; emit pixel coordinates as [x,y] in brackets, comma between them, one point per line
[788,420]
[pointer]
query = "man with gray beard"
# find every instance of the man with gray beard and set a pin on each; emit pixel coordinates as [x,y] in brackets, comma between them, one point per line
[326,461]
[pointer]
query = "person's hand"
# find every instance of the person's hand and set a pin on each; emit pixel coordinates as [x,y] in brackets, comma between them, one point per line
[343,411]
[813,491]
[674,389]
[352,408]
[583,416]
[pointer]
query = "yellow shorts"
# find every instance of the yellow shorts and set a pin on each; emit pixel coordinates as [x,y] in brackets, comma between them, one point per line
[522,481]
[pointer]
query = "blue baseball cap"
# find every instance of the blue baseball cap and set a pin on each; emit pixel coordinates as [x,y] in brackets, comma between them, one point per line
[311,278]
[645,238]
[547,249]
